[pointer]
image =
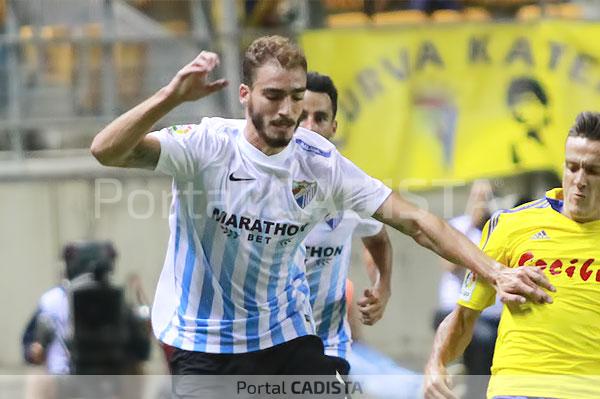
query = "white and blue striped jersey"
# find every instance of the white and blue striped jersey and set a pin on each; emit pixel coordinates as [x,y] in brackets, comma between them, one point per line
[328,251]
[233,279]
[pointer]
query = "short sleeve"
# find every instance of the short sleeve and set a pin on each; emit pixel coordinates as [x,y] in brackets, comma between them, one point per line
[475,292]
[186,149]
[355,190]
[368,227]
[53,303]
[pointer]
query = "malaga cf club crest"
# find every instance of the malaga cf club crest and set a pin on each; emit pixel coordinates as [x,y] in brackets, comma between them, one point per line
[304,191]
[334,221]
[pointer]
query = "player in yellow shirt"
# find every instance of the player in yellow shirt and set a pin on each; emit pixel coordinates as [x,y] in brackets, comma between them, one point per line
[542,351]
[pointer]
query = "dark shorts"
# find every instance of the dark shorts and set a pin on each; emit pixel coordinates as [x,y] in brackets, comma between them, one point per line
[300,356]
[341,365]
[207,375]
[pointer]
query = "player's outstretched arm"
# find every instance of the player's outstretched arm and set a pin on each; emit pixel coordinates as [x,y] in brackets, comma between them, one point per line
[512,285]
[124,142]
[452,337]
[378,260]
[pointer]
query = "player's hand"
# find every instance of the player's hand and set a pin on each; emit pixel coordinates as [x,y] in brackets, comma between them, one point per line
[372,305]
[191,82]
[515,286]
[36,353]
[437,384]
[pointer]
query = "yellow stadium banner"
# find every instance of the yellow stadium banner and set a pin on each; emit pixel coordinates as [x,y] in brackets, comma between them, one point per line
[423,106]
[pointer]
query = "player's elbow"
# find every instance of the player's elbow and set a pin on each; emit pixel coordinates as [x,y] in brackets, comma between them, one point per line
[102,153]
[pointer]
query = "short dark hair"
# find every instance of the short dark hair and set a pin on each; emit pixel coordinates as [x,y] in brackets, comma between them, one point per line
[89,257]
[266,48]
[323,84]
[587,125]
[523,85]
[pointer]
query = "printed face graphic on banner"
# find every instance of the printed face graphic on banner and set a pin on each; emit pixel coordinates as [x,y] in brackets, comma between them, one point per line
[528,103]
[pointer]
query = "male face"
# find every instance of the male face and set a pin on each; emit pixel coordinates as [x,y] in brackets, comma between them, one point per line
[581,179]
[318,114]
[274,102]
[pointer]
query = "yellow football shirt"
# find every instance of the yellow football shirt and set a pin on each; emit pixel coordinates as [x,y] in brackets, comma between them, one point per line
[548,350]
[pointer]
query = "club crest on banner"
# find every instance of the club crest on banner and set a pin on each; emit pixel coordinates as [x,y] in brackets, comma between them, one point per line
[437,73]
[334,221]
[304,192]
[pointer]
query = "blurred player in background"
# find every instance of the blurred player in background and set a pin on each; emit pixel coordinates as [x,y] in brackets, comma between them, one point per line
[45,337]
[232,297]
[54,335]
[560,234]
[328,246]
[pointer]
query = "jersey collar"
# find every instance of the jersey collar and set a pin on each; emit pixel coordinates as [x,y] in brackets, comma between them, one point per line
[277,160]
[555,199]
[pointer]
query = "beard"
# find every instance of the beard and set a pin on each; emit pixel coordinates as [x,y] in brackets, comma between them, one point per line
[259,123]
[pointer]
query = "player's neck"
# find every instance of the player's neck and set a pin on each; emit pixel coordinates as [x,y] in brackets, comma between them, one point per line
[257,141]
[578,218]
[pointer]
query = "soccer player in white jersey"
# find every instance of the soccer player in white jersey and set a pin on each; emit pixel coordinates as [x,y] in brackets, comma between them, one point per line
[233,297]
[328,246]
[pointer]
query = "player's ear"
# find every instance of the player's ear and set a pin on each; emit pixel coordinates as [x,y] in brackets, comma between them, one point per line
[334,127]
[244,94]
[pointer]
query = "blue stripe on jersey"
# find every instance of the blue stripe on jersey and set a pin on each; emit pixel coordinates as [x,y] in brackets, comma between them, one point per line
[314,279]
[250,304]
[541,203]
[188,270]
[207,293]
[304,287]
[292,312]
[556,204]
[341,330]
[342,351]
[311,148]
[292,309]
[275,268]
[175,253]
[225,281]
[301,275]
[329,308]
